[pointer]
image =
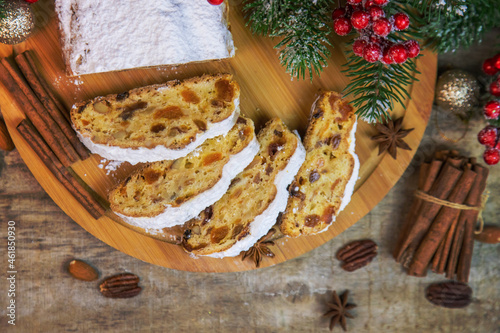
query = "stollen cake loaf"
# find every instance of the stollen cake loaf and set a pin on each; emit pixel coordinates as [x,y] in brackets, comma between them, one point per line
[325,182]
[168,193]
[255,198]
[102,36]
[158,122]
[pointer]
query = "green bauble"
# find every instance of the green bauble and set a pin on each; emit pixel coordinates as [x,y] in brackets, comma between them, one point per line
[457,91]
[17,22]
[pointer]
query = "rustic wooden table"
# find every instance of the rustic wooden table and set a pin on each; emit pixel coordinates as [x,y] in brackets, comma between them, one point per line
[289,297]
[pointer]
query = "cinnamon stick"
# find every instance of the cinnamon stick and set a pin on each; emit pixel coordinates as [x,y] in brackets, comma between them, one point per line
[451,267]
[437,258]
[35,141]
[428,174]
[448,240]
[469,218]
[38,106]
[33,115]
[440,226]
[31,61]
[33,79]
[441,189]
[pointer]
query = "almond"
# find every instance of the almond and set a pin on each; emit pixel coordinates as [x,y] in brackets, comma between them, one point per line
[489,235]
[82,271]
[5,140]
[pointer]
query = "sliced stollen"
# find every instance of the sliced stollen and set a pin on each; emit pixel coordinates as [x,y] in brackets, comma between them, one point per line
[168,193]
[254,200]
[325,182]
[102,36]
[158,122]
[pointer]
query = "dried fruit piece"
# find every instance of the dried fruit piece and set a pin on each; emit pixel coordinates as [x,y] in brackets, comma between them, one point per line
[449,294]
[82,271]
[123,285]
[357,254]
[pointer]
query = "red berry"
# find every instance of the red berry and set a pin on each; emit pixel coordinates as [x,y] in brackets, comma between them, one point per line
[368,3]
[375,12]
[492,110]
[412,47]
[372,52]
[338,13]
[491,156]
[489,67]
[487,136]
[398,53]
[355,2]
[401,21]
[31,1]
[358,47]
[215,2]
[360,19]
[496,61]
[380,2]
[342,26]
[495,88]
[382,27]
[386,58]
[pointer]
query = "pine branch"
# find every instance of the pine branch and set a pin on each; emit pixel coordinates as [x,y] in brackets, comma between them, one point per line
[304,45]
[376,87]
[2,9]
[450,25]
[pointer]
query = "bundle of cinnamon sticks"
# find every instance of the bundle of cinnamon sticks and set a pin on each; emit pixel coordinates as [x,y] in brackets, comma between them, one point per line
[47,129]
[439,230]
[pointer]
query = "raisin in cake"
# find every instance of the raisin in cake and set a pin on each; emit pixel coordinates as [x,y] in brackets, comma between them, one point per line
[158,122]
[255,198]
[168,193]
[102,36]
[325,182]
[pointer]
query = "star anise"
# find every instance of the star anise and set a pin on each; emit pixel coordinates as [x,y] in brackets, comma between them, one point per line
[339,310]
[260,248]
[391,136]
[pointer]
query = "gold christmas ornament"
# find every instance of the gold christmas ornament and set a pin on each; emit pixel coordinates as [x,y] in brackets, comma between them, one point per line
[457,91]
[17,22]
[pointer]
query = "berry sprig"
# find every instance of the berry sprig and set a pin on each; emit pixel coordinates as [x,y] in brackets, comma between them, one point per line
[491,67]
[490,135]
[368,18]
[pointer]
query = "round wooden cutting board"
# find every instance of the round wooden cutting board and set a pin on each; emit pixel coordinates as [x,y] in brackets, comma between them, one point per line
[266,92]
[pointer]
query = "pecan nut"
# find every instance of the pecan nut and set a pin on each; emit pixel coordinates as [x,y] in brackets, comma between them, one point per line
[123,285]
[357,254]
[449,294]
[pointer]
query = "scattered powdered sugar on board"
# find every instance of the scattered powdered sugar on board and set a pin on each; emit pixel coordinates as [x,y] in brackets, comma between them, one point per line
[109,166]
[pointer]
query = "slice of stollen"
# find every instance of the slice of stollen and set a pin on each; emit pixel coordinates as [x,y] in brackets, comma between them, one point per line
[254,200]
[158,122]
[325,182]
[168,193]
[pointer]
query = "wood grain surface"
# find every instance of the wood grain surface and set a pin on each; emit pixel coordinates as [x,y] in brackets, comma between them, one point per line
[266,92]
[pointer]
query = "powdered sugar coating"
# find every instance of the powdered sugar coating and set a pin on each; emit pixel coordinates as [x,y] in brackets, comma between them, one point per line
[102,36]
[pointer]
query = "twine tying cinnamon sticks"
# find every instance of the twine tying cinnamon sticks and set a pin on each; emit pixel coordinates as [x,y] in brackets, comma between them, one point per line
[484,198]
[440,225]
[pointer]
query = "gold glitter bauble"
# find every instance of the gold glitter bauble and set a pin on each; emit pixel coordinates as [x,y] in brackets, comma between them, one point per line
[17,22]
[457,91]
